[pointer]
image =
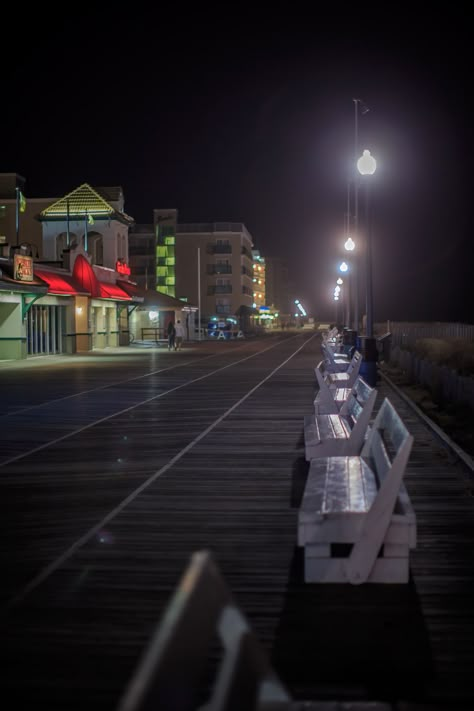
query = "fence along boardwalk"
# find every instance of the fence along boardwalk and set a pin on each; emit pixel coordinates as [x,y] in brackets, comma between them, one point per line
[73,642]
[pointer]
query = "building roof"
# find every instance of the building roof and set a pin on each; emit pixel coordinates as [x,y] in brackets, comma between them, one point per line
[82,202]
[150,298]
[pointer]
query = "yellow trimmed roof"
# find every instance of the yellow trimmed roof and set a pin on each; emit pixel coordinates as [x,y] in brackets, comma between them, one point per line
[83,200]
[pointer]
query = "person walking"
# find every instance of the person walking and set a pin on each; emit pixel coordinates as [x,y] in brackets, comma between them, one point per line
[171,335]
[179,335]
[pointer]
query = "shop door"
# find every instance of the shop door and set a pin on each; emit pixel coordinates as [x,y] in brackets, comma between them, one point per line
[45,329]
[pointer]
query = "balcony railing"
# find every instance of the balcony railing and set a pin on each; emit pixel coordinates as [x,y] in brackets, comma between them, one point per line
[219,289]
[219,269]
[219,249]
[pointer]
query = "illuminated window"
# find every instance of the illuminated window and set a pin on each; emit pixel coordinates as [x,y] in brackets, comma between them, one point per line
[170,240]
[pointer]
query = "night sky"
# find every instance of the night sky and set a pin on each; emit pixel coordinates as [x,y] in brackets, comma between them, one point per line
[248,116]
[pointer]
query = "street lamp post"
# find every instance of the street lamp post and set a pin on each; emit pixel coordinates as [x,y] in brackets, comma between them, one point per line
[349,246]
[366,166]
[358,104]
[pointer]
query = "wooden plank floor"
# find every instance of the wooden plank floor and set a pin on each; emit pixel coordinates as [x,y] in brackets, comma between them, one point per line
[227,481]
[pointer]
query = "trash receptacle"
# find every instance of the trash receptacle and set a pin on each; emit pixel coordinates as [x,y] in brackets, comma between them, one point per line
[368,368]
[349,341]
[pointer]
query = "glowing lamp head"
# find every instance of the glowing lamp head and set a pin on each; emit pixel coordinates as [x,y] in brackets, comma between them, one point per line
[343,267]
[339,281]
[349,244]
[366,164]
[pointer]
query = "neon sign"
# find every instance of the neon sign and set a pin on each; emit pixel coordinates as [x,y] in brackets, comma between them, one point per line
[22,268]
[122,268]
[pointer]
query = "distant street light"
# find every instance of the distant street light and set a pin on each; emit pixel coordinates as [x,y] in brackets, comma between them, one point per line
[339,281]
[349,244]
[343,267]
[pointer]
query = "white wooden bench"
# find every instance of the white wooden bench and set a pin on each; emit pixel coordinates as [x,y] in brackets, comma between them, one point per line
[341,433]
[335,362]
[173,669]
[330,336]
[337,380]
[356,522]
[333,401]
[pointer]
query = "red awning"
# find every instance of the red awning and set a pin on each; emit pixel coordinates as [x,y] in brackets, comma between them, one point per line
[112,291]
[62,284]
[85,275]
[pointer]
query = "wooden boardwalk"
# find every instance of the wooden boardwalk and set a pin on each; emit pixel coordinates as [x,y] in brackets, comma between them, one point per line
[105,493]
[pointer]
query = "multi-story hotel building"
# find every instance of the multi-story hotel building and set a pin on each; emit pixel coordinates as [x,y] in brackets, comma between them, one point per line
[214,267]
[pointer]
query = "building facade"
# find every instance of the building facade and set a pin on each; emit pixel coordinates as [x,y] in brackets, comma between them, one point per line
[214,268]
[259,280]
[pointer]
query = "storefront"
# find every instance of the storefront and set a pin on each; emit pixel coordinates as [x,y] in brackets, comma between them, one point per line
[151,311]
[54,323]
[106,302]
[19,291]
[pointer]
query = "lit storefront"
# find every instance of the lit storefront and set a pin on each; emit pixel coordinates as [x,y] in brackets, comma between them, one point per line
[19,290]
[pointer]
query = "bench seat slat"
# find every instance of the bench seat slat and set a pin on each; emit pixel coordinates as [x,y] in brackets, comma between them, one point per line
[338,485]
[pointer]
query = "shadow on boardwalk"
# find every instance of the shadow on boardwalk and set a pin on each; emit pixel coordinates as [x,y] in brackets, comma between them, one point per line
[354,642]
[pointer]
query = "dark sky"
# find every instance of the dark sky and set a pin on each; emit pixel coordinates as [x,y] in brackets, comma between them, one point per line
[248,116]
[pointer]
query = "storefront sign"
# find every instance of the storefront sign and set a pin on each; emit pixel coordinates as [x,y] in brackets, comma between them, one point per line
[22,268]
[122,268]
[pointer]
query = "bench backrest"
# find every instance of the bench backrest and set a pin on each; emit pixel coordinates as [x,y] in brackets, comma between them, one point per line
[361,392]
[331,358]
[330,335]
[171,672]
[358,413]
[329,351]
[387,450]
[387,437]
[324,385]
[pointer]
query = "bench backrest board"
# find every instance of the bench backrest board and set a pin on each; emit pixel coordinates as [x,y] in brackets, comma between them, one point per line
[170,673]
[358,413]
[387,431]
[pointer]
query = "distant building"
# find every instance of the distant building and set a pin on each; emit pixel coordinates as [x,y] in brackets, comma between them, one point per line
[152,252]
[223,252]
[142,255]
[259,279]
[165,226]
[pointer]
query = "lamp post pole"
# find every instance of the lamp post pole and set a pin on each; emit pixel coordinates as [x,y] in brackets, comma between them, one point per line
[199,291]
[366,166]
[356,213]
[368,266]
